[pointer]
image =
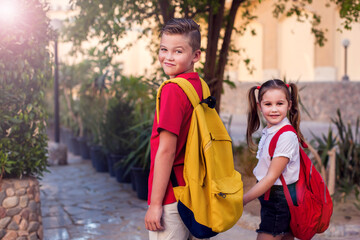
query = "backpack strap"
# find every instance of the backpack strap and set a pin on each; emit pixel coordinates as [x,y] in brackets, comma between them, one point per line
[272,147]
[192,95]
[189,90]
[275,138]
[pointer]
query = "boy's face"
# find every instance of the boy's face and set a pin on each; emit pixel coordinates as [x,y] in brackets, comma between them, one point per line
[176,55]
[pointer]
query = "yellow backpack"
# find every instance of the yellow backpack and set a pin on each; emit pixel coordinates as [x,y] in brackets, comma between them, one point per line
[212,199]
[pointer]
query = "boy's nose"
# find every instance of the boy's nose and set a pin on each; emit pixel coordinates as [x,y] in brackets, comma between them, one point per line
[169,56]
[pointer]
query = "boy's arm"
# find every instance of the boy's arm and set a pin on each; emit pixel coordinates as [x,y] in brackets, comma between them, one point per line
[276,167]
[164,160]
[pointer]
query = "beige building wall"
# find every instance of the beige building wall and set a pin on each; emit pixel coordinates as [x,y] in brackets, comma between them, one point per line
[281,48]
[296,50]
[270,43]
[137,59]
[325,68]
[288,48]
[251,47]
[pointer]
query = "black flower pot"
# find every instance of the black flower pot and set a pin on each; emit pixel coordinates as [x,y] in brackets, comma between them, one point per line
[141,182]
[84,148]
[133,185]
[98,159]
[111,159]
[120,170]
[69,143]
[75,145]
[64,132]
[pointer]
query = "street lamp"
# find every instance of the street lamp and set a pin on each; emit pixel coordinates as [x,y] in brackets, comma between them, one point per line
[345,43]
[56,25]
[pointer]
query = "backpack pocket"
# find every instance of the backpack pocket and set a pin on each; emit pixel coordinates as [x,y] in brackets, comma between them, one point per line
[226,202]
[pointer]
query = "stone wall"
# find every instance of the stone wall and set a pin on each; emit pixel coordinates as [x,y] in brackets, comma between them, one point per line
[20,213]
[321,99]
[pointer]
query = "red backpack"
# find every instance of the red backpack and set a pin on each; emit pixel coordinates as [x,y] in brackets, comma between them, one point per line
[315,207]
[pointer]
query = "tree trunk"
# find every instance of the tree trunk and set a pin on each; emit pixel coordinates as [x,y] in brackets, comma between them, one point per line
[167,10]
[214,27]
[219,74]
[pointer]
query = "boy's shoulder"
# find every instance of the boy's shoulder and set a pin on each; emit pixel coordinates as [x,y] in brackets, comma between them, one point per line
[173,92]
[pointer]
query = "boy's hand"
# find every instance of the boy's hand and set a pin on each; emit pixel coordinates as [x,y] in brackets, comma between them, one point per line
[153,218]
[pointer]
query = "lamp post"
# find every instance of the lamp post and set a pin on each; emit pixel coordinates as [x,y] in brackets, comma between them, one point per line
[56,25]
[345,43]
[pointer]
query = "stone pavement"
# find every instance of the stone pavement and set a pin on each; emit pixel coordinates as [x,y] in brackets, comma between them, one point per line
[79,203]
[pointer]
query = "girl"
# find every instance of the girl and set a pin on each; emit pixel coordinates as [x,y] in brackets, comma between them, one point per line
[276,101]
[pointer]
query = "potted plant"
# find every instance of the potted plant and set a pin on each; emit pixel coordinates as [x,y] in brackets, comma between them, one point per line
[118,120]
[69,106]
[138,160]
[95,119]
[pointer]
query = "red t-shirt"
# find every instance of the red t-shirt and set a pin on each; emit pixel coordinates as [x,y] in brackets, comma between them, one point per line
[175,117]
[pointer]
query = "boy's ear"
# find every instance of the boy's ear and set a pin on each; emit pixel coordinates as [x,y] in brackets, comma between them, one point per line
[197,54]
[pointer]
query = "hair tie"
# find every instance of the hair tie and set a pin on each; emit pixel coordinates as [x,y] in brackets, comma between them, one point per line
[258,87]
[288,85]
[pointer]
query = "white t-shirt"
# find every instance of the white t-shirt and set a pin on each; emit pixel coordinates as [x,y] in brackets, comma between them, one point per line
[287,146]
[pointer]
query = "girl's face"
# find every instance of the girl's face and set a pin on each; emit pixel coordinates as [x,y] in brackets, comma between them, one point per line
[176,55]
[274,106]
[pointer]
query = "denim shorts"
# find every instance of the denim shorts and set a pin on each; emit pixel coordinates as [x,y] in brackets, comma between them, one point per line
[275,214]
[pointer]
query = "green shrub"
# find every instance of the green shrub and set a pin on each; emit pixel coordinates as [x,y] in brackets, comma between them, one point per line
[141,94]
[323,145]
[348,156]
[347,143]
[24,68]
[119,118]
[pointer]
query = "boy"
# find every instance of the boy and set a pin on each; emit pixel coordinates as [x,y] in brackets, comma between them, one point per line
[179,51]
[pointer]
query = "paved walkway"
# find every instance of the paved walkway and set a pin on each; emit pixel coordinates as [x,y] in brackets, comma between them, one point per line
[79,203]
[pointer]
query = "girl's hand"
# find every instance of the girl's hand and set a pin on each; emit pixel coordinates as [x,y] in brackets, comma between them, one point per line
[276,167]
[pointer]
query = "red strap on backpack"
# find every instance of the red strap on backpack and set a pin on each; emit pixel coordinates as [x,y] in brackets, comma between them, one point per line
[272,147]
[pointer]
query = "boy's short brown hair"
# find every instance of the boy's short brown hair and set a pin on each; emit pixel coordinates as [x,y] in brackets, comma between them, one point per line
[186,27]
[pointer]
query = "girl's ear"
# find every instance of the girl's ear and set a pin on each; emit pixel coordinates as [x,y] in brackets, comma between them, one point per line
[290,105]
[197,54]
[259,106]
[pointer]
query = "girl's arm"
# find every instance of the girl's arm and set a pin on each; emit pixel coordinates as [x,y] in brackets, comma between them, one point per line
[276,167]
[164,160]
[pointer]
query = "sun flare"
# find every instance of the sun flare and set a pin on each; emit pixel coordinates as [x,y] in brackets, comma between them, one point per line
[8,11]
